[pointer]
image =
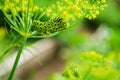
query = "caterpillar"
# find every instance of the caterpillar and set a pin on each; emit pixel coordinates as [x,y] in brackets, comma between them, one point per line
[53,25]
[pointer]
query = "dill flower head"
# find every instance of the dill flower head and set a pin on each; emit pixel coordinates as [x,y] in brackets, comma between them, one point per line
[94,59]
[91,65]
[72,72]
[20,6]
[97,65]
[72,9]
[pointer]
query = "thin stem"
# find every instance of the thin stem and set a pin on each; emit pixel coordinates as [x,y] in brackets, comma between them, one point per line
[27,17]
[1,57]
[44,36]
[87,73]
[17,58]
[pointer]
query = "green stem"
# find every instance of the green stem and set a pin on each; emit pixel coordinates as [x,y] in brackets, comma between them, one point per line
[17,58]
[1,57]
[87,73]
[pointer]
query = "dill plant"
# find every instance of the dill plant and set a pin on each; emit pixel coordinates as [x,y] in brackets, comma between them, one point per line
[28,20]
[91,65]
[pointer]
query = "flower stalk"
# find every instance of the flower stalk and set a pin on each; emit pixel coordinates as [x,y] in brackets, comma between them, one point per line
[17,58]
